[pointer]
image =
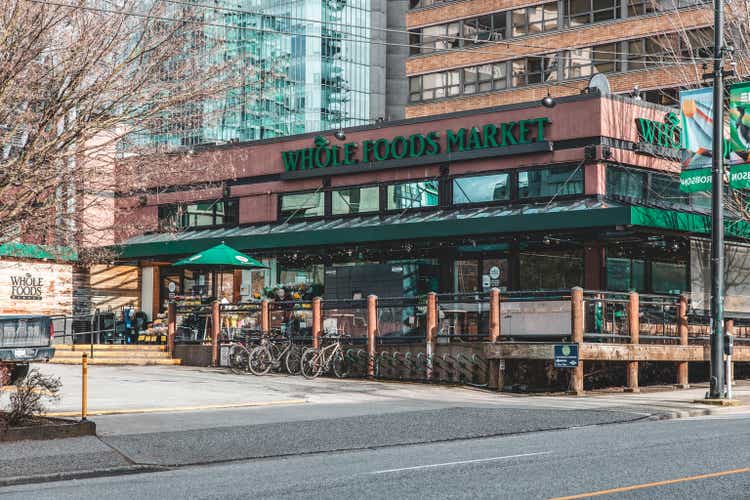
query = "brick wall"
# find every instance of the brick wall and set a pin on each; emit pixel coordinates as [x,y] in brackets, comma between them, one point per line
[459,10]
[579,37]
[662,77]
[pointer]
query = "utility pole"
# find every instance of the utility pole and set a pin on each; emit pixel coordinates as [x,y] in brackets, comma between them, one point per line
[717,212]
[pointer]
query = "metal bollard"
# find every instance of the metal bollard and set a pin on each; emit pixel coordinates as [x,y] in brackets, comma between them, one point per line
[84,386]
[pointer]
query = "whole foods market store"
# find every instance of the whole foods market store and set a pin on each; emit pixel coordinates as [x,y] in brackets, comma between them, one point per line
[519,198]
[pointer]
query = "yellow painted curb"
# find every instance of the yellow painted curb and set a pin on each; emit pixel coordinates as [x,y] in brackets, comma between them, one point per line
[177,408]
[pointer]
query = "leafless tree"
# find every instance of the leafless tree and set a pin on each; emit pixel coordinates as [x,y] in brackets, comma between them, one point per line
[85,85]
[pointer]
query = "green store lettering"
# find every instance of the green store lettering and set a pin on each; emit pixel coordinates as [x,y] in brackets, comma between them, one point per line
[666,134]
[324,155]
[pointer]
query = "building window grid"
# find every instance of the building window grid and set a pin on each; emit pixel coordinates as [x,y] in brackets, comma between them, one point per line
[635,54]
[541,18]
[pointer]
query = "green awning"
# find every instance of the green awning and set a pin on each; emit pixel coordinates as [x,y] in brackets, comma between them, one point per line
[577,214]
[221,255]
[687,222]
[41,252]
[557,216]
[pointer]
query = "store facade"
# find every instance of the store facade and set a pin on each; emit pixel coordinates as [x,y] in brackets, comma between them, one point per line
[519,197]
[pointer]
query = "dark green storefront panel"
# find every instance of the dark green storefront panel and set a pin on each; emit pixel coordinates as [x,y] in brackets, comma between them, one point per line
[431,227]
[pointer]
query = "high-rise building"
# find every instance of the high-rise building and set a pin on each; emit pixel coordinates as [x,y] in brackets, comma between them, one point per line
[470,54]
[306,65]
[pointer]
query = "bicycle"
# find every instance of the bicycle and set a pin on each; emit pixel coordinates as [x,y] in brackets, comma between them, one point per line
[327,358]
[239,358]
[272,353]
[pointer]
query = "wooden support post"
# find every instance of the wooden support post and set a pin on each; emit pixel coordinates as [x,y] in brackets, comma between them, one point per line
[265,318]
[317,322]
[682,332]
[84,386]
[494,315]
[171,326]
[215,329]
[576,320]
[431,332]
[372,329]
[634,329]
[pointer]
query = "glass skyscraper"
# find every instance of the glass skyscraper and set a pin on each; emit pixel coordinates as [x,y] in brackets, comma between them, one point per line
[307,65]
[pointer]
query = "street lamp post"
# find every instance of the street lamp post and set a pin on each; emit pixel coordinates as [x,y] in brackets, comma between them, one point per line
[716,390]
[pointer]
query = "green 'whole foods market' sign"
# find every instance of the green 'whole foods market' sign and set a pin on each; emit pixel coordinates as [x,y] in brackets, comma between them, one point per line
[323,154]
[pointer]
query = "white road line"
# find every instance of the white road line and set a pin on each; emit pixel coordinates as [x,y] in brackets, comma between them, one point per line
[445,464]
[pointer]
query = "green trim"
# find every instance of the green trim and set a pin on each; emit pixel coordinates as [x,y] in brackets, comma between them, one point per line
[683,221]
[39,252]
[446,225]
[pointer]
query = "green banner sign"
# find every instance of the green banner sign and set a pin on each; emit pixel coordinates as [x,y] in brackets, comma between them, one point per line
[739,176]
[739,121]
[695,180]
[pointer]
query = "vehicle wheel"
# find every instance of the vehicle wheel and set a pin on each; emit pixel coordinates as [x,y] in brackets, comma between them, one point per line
[260,361]
[292,360]
[239,359]
[310,364]
[340,365]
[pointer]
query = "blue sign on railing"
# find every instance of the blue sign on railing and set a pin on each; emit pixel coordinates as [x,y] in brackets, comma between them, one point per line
[566,355]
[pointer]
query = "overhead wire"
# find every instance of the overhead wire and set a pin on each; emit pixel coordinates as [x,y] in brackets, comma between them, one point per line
[360,39]
[506,42]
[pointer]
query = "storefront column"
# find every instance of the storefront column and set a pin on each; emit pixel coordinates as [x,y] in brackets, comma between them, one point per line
[317,321]
[372,329]
[634,329]
[215,329]
[431,333]
[682,332]
[576,320]
[729,330]
[171,326]
[265,318]
[494,315]
[593,266]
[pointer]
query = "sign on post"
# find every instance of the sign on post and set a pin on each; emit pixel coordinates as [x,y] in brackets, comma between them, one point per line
[695,180]
[566,355]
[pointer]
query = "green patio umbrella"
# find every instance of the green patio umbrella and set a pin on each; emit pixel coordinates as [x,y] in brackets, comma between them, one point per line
[220,256]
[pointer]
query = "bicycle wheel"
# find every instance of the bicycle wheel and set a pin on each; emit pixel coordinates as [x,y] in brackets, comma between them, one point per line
[260,360]
[293,359]
[340,365]
[239,358]
[311,363]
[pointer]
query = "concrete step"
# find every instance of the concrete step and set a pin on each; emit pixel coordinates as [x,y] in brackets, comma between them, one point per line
[117,361]
[114,354]
[110,347]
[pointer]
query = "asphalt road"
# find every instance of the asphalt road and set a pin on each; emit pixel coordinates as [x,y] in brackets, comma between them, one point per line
[649,459]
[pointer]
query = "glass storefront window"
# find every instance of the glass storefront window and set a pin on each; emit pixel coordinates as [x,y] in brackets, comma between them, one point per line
[466,276]
[668,277]
[547,270]
[626,182]
[494,274]
[356,200]
[666,188]
[307,275]
[626,274]
[301,205]
[550,181]
[412,195]
[481,188]
[201,214]
[196,283]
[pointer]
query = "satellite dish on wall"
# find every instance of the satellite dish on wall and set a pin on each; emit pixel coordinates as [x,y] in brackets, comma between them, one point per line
[599,83]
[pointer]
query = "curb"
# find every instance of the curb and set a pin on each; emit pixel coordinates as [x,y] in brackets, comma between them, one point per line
[70,429]
[65,476]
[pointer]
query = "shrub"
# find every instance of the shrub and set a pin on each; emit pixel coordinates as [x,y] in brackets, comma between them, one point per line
[31,397]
